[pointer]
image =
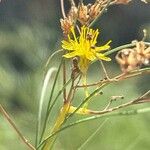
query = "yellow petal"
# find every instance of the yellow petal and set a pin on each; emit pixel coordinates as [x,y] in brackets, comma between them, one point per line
[90,56]
[103,57]
[67,45]
[70,55]
[103,48]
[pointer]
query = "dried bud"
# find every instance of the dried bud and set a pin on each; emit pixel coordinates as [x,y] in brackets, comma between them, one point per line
[122,1]
[73,13]
[87,13]
[143,53]
[130,59]
[66,25]
[95,10]
[83,14]
[127,60]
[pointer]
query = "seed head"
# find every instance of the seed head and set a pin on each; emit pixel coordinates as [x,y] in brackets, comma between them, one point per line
[66,25]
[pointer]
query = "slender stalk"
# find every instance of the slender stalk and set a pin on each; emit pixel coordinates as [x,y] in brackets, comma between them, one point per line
[57,96]
[122,47]
[119,77]
[75,87]
[91,136]
[85,90]
[87,99]
[104,69]
[51,56]
[62,8]
[8,118]
[50,99]
[69,98]
[138,101]
[64,80]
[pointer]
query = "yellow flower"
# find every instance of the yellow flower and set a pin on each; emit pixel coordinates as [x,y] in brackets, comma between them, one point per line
[84,47]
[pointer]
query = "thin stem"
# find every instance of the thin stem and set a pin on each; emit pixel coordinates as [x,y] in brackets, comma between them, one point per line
[87,99]
[8,118]
[104,69]
[139,101]
[93,134]
[74,88]
[145,94]
[64,80]
[51,56]
[69,98]
[57,96]
[62,8]
[122,47]
[119,77]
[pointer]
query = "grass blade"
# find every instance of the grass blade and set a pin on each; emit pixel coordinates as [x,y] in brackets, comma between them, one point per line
[49,102]
[43,92]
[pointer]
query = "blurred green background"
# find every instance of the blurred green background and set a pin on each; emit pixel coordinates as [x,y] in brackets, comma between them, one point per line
[29,33]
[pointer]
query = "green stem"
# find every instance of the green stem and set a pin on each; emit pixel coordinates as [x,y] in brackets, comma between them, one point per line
[59,121]
[122,47]
[88,98]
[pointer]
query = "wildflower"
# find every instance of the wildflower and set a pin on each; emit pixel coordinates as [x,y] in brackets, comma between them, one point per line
[85,47]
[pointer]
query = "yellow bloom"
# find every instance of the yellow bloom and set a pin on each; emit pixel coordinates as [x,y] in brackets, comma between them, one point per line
[84,47]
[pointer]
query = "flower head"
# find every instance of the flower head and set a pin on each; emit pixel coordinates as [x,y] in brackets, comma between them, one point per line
[84,47]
